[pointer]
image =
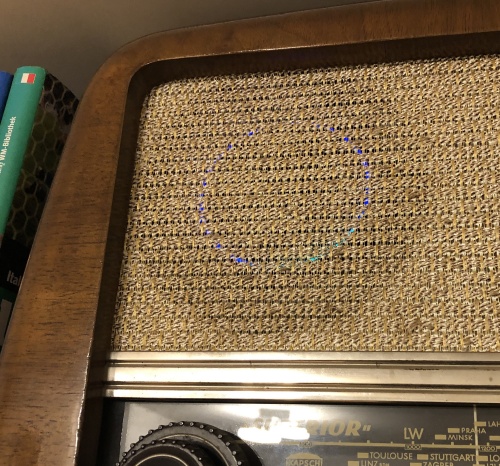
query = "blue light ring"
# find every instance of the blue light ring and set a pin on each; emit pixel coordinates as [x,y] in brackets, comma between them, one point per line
[242,260]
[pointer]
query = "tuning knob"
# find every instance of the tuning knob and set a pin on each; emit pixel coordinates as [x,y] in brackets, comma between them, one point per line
[189,444]
[167,453]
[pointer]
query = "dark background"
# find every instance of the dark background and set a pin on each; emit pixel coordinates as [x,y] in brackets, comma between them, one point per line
[73,38]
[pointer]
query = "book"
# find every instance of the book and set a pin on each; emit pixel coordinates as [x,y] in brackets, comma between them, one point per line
[5,82]
[36,121]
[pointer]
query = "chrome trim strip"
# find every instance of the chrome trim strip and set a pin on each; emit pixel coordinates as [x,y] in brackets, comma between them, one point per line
[296,376]
[296,356]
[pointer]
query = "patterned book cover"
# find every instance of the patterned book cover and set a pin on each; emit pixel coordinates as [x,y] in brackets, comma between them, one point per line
[54,115]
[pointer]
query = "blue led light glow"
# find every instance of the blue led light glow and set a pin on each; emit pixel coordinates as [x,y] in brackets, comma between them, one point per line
[282,263]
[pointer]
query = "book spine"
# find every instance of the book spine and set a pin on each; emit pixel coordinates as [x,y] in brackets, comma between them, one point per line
[13,258]
[15,131]
[5,82]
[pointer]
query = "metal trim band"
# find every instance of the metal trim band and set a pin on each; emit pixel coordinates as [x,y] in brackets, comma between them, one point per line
[301,376]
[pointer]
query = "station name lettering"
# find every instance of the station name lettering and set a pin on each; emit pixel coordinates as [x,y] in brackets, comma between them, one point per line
[386,455]
[452,457]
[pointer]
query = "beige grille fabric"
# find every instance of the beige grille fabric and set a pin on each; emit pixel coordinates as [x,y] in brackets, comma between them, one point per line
[345,209]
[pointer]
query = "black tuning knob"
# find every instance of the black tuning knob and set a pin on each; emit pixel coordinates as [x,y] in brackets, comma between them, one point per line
[167,453]
[189,444]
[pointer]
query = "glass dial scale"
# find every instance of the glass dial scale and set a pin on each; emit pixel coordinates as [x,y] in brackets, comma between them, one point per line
[324,435]
[321,410]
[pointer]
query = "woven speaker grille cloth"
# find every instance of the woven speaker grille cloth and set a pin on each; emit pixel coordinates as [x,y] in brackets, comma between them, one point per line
[333,209]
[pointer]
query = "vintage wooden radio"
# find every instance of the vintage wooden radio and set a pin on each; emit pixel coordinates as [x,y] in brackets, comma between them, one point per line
[278,240]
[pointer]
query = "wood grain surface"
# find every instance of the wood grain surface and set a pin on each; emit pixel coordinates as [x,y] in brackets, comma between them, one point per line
[51,368]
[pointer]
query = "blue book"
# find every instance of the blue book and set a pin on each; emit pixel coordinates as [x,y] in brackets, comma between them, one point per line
[5,82]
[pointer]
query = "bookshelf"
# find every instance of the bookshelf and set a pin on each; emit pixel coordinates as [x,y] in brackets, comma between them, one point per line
[52,366]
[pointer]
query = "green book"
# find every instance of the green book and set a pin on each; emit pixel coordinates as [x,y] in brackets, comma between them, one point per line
[15,130]
[35,124]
